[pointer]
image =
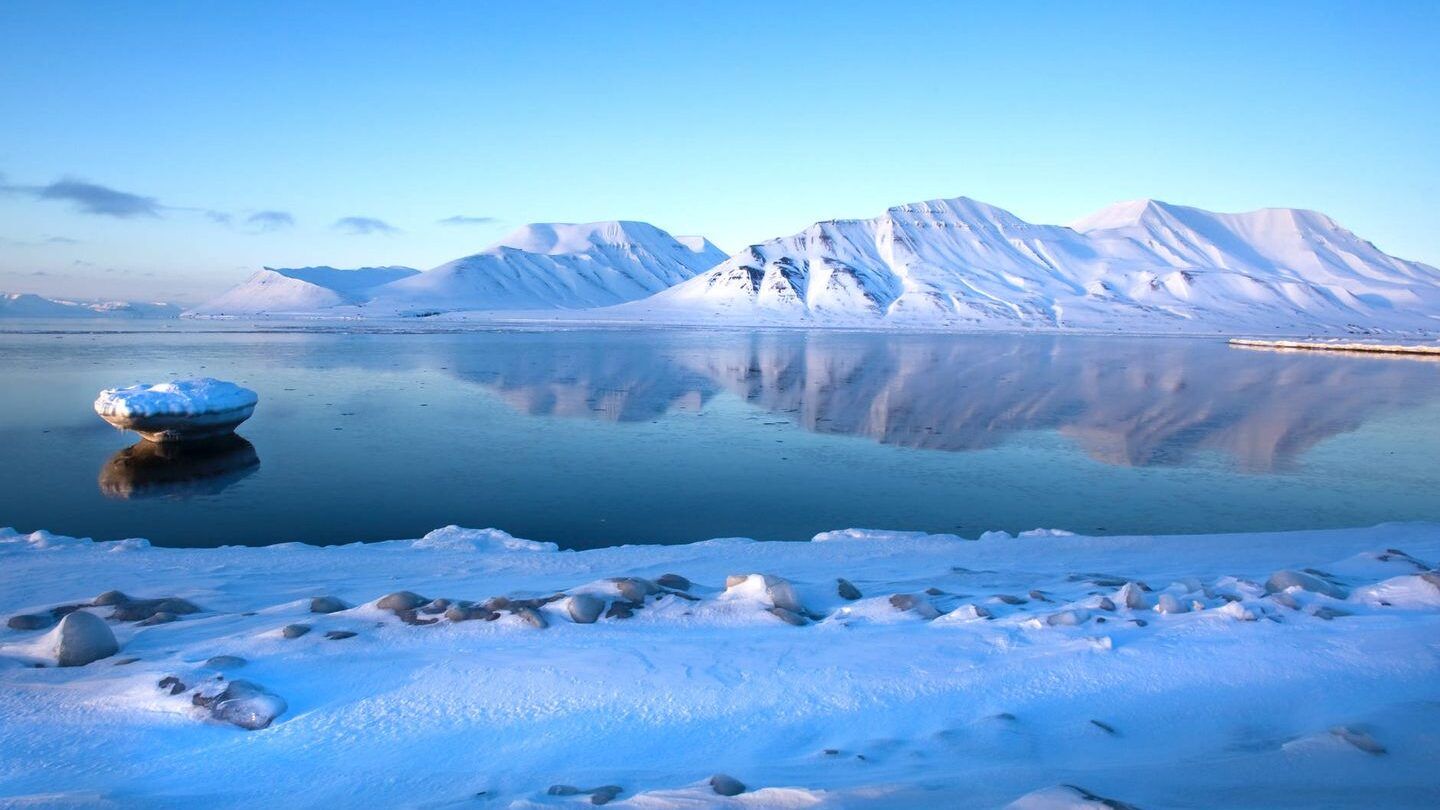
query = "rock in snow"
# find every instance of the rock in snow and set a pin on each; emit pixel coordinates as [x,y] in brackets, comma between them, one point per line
[400,600]
[29,621]
[1284,580]
[584,608]
[81,638]
[242,703]
[727,785]
[327,604]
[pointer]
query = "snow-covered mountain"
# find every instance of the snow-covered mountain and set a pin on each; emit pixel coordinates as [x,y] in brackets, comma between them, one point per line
[555,266]
[1142,265]
[300,290]
[26,305]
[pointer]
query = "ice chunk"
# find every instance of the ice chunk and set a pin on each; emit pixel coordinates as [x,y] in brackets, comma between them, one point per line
[177,398]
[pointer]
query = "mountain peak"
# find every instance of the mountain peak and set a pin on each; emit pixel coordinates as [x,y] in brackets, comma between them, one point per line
[1122,215]
[556,238]
[957,209]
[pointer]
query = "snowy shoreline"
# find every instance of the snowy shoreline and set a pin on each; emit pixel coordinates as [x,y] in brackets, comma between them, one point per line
[967,674]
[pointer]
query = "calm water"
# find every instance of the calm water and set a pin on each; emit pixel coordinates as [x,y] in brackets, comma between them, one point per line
[653,436]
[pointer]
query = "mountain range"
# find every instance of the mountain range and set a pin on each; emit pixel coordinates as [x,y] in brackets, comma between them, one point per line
[27,305]
[553,266]
[1142,266]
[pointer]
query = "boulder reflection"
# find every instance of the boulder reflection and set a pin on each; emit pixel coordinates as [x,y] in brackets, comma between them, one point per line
[177,470]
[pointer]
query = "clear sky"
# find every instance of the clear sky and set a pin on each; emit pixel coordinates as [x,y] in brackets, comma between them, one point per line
[165,150]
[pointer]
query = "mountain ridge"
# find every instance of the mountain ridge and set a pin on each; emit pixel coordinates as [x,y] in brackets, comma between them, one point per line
[1141,264]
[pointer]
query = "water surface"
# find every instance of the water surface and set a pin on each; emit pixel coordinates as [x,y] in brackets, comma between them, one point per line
[599,437]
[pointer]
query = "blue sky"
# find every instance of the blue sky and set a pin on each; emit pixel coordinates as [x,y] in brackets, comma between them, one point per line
[167,149]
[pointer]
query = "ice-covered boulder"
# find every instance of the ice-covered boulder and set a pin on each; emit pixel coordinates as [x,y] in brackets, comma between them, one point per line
[775,590]
[1170,603]
[584,608]
[81,638]
[1132,596]
[180,410]
[1287,579]
[242,703]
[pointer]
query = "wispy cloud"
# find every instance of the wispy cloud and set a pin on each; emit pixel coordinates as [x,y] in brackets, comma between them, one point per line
[462,219]
[99,200]
[49,240]
[360,226]
[93,198]
[266,221]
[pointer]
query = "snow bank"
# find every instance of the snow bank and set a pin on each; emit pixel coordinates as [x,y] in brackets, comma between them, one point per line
[195,397]
[872,669]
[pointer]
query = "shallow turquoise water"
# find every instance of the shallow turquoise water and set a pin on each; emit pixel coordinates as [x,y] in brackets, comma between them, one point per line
[601,437]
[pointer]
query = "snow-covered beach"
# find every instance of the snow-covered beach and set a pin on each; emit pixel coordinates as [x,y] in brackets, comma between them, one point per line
[1281,670]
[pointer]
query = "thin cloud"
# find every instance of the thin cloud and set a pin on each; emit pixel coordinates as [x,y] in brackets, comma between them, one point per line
[266,221]
[360,226]
[50,240]
[461,219]
[100,200]
[92,198]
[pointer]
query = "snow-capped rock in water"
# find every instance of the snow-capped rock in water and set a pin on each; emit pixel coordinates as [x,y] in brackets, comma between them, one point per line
[26,305]
[179,410]
[1143,265]
[555,266]
[300,290]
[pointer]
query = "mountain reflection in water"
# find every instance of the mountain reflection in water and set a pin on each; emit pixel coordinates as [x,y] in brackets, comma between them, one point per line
[1132,403]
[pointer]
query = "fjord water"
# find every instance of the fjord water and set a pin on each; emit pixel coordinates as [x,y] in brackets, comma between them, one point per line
[599,437]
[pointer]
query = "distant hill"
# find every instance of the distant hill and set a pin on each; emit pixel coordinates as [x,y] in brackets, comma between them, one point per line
[26,305]
[300,290]
[556,266]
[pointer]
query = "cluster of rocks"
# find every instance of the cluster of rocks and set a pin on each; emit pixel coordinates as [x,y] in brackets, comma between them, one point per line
[721,784]
[81,637]
[630,594]
[240,703]
[598,795]
[145,612]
